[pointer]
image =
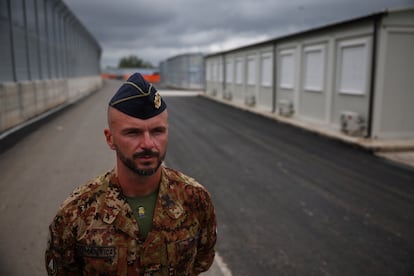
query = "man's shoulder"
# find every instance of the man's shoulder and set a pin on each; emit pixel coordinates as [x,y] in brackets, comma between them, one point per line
[187,190]
[180,178]
[90,190]
[183,184]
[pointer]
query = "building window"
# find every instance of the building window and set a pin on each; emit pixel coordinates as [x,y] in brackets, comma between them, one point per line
[229,71]
[267,70]
[287,69]
[251,70]
[353,58]
[314,68]
[239,71]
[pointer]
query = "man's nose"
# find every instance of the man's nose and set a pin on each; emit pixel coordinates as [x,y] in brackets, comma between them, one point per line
[147,141]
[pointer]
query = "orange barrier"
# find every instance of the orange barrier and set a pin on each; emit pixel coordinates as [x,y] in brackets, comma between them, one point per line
[152,78]
[108,76]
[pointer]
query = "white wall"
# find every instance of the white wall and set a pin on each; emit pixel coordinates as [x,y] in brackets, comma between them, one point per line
[21,101]
[394,98]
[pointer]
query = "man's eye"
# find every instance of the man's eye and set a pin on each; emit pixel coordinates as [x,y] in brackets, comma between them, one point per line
[131,133]
[159,131]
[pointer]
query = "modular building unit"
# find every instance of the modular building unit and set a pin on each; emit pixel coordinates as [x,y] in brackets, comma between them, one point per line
[354,76]
[214,75]
[246,77]
[183,71]
[393,114]
[325,73]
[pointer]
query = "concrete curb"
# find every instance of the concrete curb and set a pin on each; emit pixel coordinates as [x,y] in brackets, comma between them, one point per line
[368,144]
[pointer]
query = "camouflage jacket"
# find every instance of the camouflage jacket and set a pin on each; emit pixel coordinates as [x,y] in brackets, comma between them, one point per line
[95,232]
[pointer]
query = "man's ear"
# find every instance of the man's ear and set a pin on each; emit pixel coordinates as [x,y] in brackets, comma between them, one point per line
[109,138]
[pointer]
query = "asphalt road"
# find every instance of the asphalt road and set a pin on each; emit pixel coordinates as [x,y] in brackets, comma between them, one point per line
[288,202]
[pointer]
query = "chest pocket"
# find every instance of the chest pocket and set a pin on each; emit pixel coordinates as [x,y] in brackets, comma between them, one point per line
[182,254]
[102,251]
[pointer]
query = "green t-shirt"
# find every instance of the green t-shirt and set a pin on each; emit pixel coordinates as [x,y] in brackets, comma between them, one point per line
[143,210]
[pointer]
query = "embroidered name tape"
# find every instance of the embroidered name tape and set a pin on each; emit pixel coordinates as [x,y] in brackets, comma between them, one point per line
[96,251]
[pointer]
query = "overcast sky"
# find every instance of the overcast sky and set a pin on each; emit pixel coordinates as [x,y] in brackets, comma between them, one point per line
[155,30]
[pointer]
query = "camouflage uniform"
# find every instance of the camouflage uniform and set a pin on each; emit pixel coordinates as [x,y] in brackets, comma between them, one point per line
[95,233]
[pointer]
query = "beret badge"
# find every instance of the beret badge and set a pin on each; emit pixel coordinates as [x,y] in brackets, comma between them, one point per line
[157,100]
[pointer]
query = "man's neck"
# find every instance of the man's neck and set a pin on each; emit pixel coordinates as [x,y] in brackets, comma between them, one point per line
[134,185]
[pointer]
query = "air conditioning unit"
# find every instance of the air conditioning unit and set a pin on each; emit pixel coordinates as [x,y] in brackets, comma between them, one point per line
[285,108]
[250,100]
[352,123]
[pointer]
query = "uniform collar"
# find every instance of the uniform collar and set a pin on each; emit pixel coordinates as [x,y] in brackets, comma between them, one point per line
[116,210]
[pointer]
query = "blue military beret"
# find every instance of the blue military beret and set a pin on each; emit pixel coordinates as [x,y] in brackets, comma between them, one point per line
[138,98]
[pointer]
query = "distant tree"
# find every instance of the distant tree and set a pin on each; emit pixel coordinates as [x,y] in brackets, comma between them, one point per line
[133,61]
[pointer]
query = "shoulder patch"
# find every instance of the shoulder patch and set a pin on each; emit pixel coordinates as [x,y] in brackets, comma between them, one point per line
[51,264]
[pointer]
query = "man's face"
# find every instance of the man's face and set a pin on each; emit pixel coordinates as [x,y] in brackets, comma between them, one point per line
[140,145]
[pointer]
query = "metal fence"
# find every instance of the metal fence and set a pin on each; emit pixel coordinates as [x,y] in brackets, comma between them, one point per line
[42,39]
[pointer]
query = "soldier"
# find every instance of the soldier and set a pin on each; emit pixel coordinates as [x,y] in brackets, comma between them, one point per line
[141,218]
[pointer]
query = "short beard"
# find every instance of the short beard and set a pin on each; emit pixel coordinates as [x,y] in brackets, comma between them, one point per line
[129,163]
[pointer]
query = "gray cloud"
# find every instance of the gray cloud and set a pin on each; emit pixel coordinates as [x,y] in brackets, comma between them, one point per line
[157,29]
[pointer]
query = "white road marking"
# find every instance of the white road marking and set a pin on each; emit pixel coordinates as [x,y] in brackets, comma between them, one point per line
[222,265]
[180,93]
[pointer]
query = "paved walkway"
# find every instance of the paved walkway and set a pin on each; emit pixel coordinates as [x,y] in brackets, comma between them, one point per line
[401,157]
